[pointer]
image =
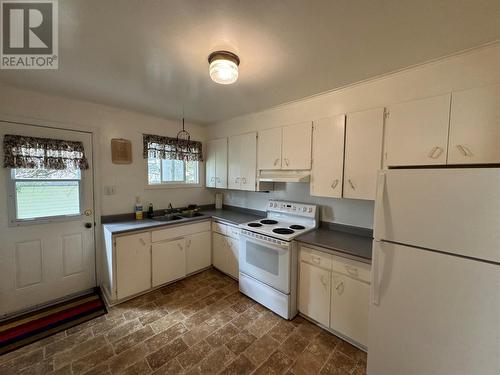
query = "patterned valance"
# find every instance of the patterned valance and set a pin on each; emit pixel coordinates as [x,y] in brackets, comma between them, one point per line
[159,147]
[42,153]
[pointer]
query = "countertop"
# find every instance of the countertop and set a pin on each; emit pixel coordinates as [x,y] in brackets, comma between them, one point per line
[340,241]
[229,216]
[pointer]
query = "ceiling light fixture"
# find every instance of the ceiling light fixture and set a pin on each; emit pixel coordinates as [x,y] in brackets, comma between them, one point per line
[223,67]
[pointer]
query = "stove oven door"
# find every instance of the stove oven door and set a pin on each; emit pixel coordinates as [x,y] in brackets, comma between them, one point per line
[267,262]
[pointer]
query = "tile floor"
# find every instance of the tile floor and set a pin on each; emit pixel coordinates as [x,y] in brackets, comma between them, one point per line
[200,325]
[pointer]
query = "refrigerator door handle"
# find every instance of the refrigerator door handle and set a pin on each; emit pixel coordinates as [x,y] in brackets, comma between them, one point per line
[379,205]
[375,289]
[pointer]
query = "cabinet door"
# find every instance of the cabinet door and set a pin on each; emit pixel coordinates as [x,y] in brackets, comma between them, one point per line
[219,252]
[234,162]
[269,149]
[297,142]
[169,261]
[198,252]
[314,293]
[475,126]
[233,266]
[363,153]
[328,157]
[350,304]
[133,264]
[221,163]
[210,164]
[417,132]
[248,161]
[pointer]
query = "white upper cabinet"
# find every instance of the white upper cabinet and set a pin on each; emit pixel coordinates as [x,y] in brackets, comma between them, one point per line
[296,146]
[210,160]
[269,149]
[233,163]
[216,163]
[328,156]
[417,132]
[475,126]
[363,153]
[242,162]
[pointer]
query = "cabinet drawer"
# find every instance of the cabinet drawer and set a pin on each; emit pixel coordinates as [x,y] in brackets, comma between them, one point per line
[233,232]
[357,270]
[219,227]
[180,231]
[317,258]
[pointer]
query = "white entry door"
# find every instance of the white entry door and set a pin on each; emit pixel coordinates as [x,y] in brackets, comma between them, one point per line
[47,250]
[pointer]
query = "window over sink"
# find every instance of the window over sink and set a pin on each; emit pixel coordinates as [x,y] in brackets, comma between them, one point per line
[173,172]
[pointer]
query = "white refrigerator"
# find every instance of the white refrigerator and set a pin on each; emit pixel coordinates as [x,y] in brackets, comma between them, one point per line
[435,294]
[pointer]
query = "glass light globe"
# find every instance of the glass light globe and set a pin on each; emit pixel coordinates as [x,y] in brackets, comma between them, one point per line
[223,71]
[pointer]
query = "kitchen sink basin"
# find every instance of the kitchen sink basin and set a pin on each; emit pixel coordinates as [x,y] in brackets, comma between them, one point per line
[167,218]
[192,214]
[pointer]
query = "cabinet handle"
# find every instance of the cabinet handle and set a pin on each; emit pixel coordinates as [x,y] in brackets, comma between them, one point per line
[286,161]
[464,150]
[351,270]
[212,179]
[188,243]
[276,161]
[143,243]
[335,183]
[316,260]
[244,180]
[237,180]
[435,152]
[323,281]
[180,246]
[340,288]
[352,185]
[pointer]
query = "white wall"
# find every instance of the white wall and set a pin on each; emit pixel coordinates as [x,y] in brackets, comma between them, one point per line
[471,69]
[108,123]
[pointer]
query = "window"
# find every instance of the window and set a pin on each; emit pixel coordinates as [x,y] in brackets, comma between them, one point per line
[45,193]
[164,171]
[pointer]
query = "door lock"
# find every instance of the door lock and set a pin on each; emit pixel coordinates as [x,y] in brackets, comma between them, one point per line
[88,225]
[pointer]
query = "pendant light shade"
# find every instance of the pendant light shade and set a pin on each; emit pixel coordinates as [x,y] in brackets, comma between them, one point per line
[223,67]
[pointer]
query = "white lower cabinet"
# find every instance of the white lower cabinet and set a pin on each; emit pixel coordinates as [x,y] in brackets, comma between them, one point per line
[198,252]
[225,250]
[314,293]
[335,292]
[349,307]
[168,261]
[133,264]
[137,262]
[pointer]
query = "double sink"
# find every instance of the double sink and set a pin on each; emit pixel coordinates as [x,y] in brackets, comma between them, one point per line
[177,216]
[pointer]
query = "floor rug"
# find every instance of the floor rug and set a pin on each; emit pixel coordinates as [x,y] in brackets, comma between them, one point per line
[28,328]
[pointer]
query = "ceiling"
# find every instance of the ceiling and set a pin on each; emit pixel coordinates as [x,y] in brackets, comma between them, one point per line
[151,55]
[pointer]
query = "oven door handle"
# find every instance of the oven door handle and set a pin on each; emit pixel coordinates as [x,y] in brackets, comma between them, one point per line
[270,245]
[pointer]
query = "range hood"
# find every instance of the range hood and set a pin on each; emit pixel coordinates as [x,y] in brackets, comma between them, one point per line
[284,176]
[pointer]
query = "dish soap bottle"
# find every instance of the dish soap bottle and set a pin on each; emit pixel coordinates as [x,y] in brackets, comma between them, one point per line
[138,209]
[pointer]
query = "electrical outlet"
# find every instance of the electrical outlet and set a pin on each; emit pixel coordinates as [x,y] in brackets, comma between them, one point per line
[110,190]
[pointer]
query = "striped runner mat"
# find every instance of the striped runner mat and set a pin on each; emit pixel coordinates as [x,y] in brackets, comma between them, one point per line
[28,328]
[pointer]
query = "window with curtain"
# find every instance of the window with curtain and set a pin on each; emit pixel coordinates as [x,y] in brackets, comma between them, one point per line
[45,177]
[172,161]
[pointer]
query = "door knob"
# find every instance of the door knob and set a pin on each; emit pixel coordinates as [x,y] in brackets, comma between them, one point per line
[88,225]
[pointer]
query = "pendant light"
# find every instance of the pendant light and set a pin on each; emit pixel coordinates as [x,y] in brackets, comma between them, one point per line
[223,67]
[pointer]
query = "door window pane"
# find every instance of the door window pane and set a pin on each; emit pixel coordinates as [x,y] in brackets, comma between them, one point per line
[42,193]
[38,199]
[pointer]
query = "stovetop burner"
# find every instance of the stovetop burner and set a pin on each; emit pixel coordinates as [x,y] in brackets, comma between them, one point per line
[254,225]
[295,226]
[283,231]
[268,221]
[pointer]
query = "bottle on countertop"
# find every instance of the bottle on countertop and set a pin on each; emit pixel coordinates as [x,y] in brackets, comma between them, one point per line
[138,209]
[151,211]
